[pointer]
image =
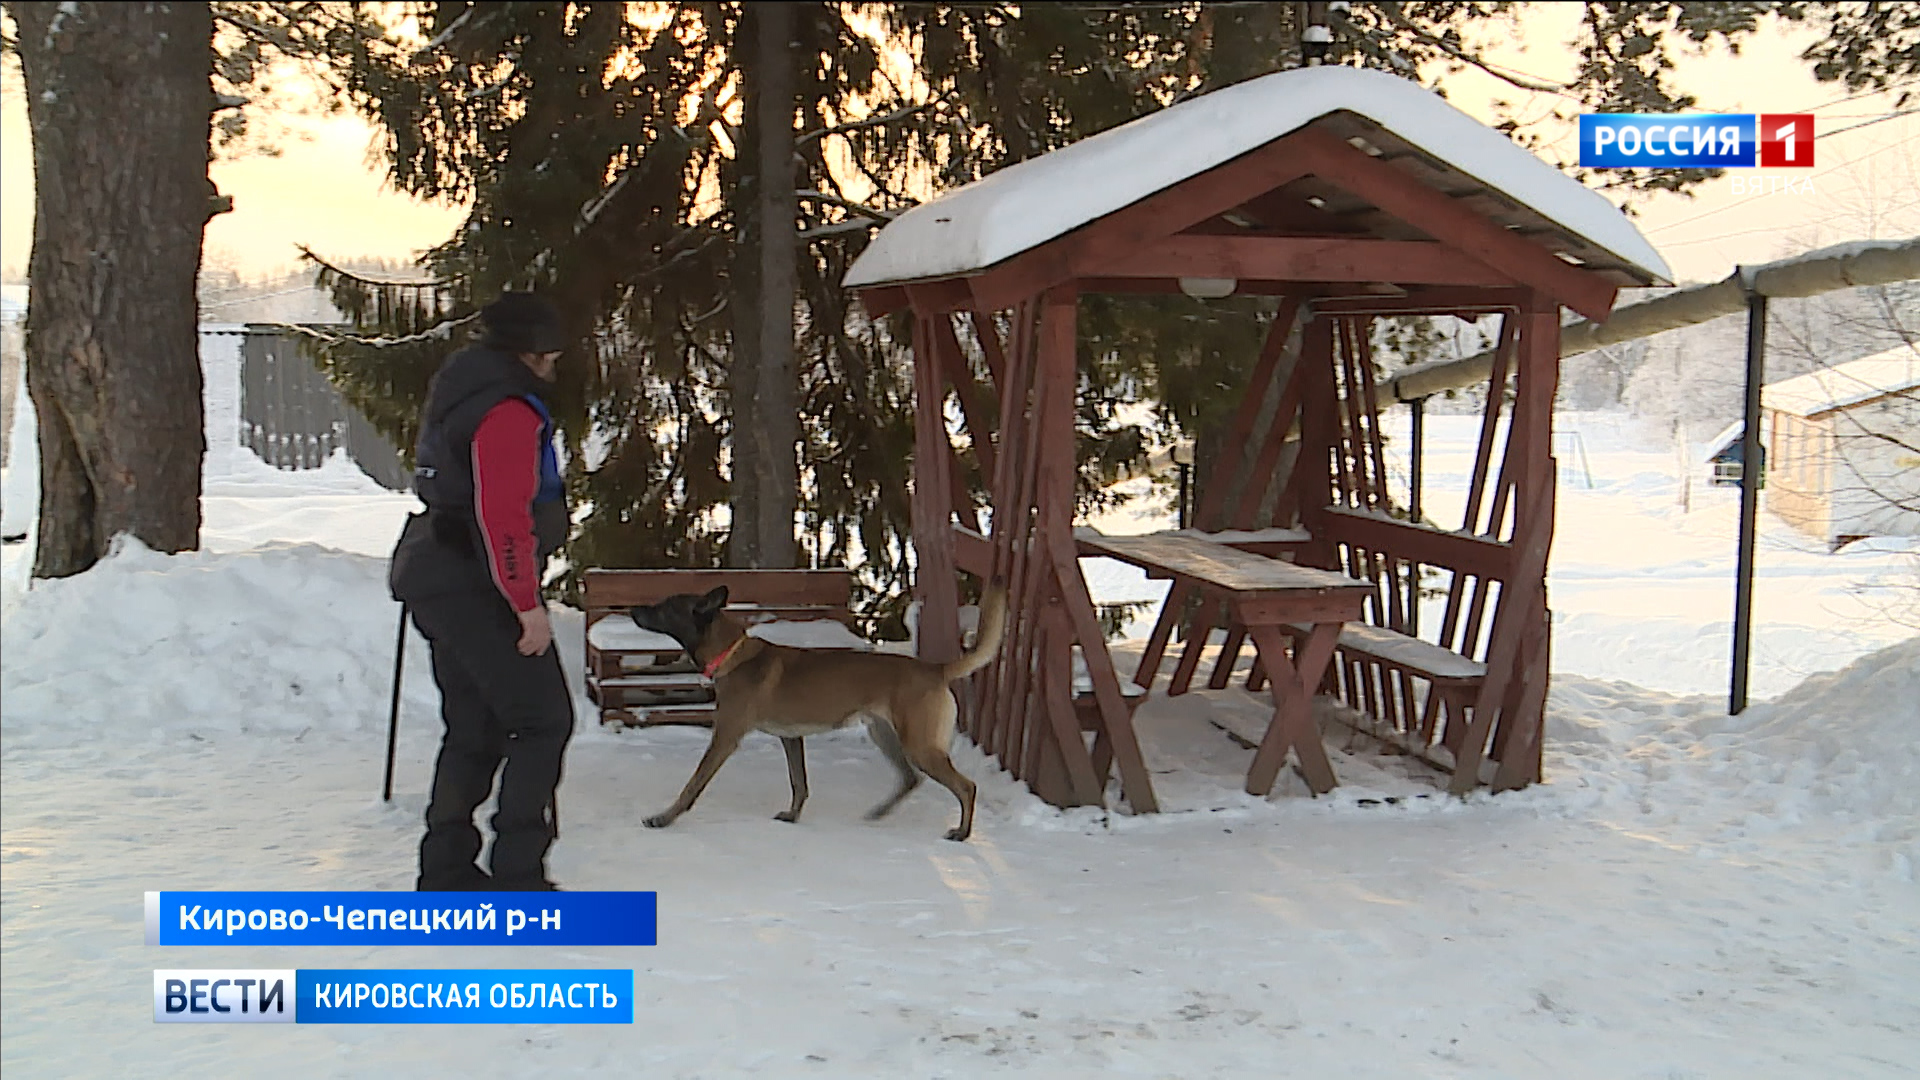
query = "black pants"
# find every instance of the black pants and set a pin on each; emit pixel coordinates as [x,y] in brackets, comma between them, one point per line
[498,706]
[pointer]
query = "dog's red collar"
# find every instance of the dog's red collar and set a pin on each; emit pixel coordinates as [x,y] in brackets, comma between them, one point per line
[714,664]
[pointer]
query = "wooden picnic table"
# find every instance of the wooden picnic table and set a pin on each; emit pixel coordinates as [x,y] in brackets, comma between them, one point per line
[1266,595]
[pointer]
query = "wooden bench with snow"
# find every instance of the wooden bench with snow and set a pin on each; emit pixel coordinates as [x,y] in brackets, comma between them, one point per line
[639,678]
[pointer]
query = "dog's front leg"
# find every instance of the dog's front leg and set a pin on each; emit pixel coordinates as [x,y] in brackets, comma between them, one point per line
[797,775]
[727,734]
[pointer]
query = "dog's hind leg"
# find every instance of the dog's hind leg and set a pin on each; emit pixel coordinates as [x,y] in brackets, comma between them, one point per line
[881,732]
[927,748]
[797,775]
[727,734]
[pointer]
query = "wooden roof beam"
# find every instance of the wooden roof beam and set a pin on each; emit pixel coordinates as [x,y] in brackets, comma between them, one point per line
[1445,220]
[1307,259]
[1434,300]
[882,301]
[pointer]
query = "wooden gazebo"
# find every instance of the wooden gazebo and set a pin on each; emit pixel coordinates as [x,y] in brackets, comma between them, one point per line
[1349,195]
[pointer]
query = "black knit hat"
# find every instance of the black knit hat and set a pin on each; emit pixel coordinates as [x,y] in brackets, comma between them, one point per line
[524,322]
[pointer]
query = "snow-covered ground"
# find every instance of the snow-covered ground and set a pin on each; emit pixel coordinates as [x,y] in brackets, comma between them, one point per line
[1689,895]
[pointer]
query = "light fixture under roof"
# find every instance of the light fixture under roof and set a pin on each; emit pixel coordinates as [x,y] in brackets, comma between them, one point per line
[1208,288]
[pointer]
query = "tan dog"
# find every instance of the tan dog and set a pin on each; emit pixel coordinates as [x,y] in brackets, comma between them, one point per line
[907,703]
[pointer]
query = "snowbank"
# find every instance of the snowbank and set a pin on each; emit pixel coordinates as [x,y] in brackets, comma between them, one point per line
[1840,752]
[281,638]
[1847,741]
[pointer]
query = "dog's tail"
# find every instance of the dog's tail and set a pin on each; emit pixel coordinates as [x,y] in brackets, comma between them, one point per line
[993,627]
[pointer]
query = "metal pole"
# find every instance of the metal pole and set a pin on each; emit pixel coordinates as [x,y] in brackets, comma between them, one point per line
[393,712]
[1418,407]
[1751,470]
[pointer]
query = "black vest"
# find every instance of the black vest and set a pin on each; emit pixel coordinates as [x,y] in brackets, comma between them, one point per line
[441,551]
[465,389]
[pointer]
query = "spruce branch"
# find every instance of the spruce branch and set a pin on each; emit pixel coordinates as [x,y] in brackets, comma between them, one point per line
[1391,9]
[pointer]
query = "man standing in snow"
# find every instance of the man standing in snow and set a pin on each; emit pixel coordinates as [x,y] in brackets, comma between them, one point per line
[469,570]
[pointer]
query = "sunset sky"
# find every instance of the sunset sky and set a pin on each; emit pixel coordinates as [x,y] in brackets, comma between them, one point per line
[324,189]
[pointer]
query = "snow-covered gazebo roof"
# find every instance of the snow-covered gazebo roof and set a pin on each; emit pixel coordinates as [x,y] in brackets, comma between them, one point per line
[985,223]
[1843,386]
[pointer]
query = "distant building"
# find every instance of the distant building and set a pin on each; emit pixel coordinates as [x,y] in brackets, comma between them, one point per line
[1725,454]
[1845,442]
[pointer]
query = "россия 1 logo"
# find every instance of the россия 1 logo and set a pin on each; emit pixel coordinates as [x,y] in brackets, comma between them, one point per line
[1730,140]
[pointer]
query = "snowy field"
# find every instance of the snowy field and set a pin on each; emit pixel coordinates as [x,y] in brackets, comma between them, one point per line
[1689,895]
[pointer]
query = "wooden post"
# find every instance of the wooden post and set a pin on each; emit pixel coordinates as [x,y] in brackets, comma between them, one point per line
[1519,629]
[932,504]
[1496,390]
[1058,374]
[1417,408]
[992,715]
[989,338]
[954,364]
[1016,692]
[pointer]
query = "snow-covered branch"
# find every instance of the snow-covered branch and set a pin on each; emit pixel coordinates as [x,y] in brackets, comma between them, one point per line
[848,205]
[870,122]
[307,254]
[439,331]
[443,36]
[1399,18]
[837,228]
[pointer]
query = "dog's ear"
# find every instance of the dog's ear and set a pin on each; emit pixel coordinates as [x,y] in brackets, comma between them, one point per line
[709,605]
[643,618]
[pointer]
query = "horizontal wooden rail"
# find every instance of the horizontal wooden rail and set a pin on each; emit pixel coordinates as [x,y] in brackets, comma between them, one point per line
[1478,556]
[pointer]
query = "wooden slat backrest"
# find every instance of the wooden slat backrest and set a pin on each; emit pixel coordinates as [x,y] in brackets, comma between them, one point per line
[1467,553]
[606,592]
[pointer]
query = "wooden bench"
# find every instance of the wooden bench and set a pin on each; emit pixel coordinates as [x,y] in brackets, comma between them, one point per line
[642,679]
[1379,666]
[1376,665]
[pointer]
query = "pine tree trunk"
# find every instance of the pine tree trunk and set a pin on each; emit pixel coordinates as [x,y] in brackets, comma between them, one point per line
[118,100]
[766,474]
[777,406]
[743,278]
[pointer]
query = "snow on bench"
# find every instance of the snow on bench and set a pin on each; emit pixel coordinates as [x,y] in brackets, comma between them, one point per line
[619,633]
[1400,650]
